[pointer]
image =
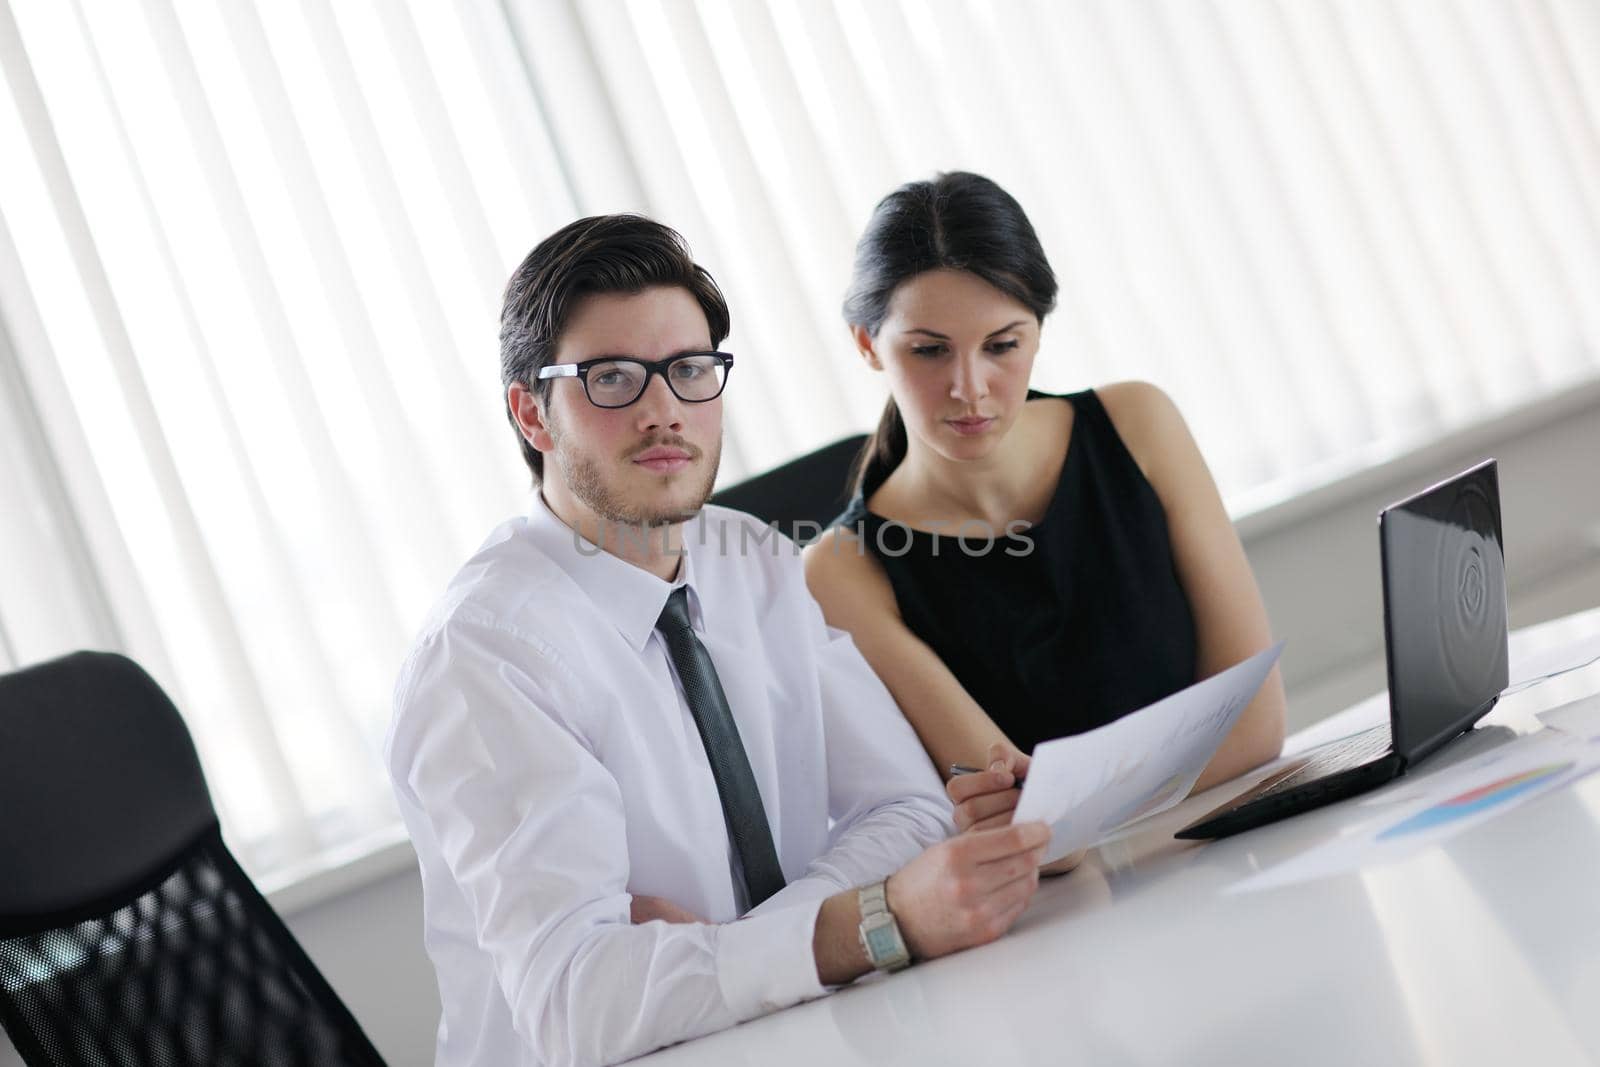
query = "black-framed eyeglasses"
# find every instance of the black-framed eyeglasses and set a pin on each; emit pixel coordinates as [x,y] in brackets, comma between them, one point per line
[617,381]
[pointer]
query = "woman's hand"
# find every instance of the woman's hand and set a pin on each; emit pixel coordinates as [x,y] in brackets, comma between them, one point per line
[986,799]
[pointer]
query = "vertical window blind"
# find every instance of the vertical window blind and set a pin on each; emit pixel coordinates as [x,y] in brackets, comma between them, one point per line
[251,257]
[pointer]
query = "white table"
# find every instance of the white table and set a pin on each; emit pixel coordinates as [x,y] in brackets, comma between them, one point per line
[1485,949]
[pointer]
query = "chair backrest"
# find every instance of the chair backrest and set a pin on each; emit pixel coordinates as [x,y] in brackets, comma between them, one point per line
[801,496]
[128,932]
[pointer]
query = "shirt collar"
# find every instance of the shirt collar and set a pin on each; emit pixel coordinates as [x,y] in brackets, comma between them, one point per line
[631,597]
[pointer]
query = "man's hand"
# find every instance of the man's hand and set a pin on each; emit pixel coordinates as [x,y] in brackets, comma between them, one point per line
[645,909]
[968,890]
[986,799]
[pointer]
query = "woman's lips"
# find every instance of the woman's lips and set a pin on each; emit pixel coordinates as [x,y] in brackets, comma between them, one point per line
[970,425]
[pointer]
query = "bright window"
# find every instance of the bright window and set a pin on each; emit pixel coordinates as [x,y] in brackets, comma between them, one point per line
[251,258]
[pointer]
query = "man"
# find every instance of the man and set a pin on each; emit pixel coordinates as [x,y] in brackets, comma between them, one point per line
[625,725]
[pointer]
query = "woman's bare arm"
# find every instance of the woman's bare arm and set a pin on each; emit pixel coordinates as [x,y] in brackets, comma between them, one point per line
[1230,618]
[856,596]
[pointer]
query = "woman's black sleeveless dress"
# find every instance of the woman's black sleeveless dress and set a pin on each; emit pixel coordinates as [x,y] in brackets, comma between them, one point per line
[1066,626]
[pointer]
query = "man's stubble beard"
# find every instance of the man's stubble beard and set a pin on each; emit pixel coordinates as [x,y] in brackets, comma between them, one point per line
[587,482]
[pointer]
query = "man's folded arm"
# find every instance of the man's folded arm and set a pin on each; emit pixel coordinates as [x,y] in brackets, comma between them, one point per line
[887,803]
[531,828]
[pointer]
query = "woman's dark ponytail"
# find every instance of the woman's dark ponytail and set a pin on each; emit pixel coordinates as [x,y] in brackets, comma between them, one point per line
[884,449]
[957,221]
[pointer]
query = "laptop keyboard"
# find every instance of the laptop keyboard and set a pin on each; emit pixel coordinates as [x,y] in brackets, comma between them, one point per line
[1335,756]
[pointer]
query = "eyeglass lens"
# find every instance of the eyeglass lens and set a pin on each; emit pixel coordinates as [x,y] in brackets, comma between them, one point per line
[692,378]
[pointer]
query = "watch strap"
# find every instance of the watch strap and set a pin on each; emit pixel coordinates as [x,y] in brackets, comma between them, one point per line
[875,900]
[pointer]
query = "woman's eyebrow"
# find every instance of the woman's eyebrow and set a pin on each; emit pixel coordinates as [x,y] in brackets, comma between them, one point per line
[991,333]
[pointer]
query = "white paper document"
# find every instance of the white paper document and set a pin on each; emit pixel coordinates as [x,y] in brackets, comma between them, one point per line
[1580,718]
[1090,786]
[1528,670]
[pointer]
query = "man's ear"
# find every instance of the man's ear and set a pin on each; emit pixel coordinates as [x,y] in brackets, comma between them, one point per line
[530,416]
[867,345]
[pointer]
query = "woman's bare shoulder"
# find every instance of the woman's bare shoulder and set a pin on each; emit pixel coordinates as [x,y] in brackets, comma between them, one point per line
[1149,423]
[1137,403]
[843,575]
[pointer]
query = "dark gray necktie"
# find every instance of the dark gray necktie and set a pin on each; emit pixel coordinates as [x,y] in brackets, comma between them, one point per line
[736,784]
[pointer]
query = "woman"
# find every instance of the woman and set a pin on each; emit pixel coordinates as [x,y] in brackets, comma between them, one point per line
[1017,566]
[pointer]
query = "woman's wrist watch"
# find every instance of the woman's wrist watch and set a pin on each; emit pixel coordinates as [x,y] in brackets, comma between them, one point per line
[880,934]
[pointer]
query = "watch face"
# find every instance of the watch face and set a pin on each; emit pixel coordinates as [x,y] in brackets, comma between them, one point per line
[882,943]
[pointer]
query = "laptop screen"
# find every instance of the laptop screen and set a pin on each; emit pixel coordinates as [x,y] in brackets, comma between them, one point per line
[1444,594]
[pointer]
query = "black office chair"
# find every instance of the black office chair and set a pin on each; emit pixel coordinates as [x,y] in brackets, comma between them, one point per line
[810,490]
[128,933]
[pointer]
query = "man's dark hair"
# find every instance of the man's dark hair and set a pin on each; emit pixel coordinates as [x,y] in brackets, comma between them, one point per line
[599,254]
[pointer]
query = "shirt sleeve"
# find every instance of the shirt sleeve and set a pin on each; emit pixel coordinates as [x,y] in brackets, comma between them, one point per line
[887,801]
[530,826]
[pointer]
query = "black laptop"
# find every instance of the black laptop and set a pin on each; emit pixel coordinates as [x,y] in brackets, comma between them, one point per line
[1444,630]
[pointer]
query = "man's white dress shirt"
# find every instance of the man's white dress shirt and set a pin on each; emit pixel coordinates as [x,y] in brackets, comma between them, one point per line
[547,767]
